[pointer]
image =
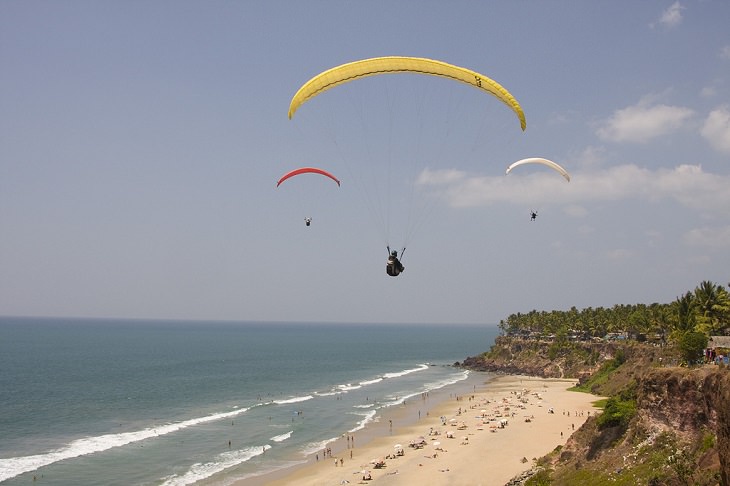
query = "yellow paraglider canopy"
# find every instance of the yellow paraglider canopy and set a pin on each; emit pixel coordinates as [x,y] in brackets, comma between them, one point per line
[399,64]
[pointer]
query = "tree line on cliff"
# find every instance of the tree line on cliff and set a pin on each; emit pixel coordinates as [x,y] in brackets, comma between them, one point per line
[660,424]
[687,321]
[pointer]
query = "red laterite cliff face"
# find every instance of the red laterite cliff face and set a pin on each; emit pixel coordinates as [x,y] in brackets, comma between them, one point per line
[679,432]
[689,403]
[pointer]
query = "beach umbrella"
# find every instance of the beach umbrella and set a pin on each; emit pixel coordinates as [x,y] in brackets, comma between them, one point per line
[398,446]
[437,443]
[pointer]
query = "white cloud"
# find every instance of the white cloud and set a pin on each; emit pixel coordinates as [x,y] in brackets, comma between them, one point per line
[589,157]
[586,229]
[708,92]
[561,117]
[672,16]
[725,52]
[576,211]
[688,185]
[653,237]
[440,177]
[708,237]
[699,259]
[716,129]
[619,254]
[643,122]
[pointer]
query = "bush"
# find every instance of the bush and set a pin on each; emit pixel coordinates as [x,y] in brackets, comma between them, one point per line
[541,478]
[708,441]
[692,345]
[617,412]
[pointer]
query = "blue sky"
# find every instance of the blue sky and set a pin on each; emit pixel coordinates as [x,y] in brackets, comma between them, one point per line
[141,142]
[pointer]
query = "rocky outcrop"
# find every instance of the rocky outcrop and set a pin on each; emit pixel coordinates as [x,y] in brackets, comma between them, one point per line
[580,359]
[521,479]
[517,356]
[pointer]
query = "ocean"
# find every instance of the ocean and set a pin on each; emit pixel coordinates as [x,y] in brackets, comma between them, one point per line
[138,402]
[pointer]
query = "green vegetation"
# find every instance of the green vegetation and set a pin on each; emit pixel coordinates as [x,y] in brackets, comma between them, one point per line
[691,345]
[541,478]
[709,439]
[706,311]
[603,374]
[617,412]
[618,446]
[620,409]
[663,460]
[600,403]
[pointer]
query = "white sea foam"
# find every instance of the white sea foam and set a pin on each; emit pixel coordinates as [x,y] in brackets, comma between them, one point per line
[371,382]
[348,387]
[284,397]
[221,462]
[368,417]
[457,377]
[315,447]
[397,400]
[293,400]
[405,372]
[14,466]
[282,437]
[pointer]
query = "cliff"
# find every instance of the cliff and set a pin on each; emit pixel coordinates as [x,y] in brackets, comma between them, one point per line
[665,425]
[679,435]
[580,360]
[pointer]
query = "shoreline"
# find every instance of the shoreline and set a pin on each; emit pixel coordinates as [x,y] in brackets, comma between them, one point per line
[480,452]
[401,416]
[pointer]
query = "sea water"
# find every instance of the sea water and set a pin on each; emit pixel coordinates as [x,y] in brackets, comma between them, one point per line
[95,401]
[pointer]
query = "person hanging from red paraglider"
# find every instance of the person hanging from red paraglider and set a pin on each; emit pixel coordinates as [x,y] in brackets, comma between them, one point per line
[307,170]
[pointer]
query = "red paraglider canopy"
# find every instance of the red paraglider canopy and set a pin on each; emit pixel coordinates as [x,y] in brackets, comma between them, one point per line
[305,170]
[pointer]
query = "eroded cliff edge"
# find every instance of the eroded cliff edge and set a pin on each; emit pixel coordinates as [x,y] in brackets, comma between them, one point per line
[664,424]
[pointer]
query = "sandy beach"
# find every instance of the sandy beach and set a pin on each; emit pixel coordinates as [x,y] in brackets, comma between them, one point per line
[482,438]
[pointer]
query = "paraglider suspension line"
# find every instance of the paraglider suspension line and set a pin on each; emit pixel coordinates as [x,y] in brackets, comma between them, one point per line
[401,252]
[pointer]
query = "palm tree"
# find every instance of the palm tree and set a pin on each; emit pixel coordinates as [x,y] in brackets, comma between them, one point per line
[684,313]
[659,315]
[712,305]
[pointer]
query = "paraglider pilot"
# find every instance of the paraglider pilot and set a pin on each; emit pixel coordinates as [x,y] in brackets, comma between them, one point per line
[394,267]
[307,221]
[533,215]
